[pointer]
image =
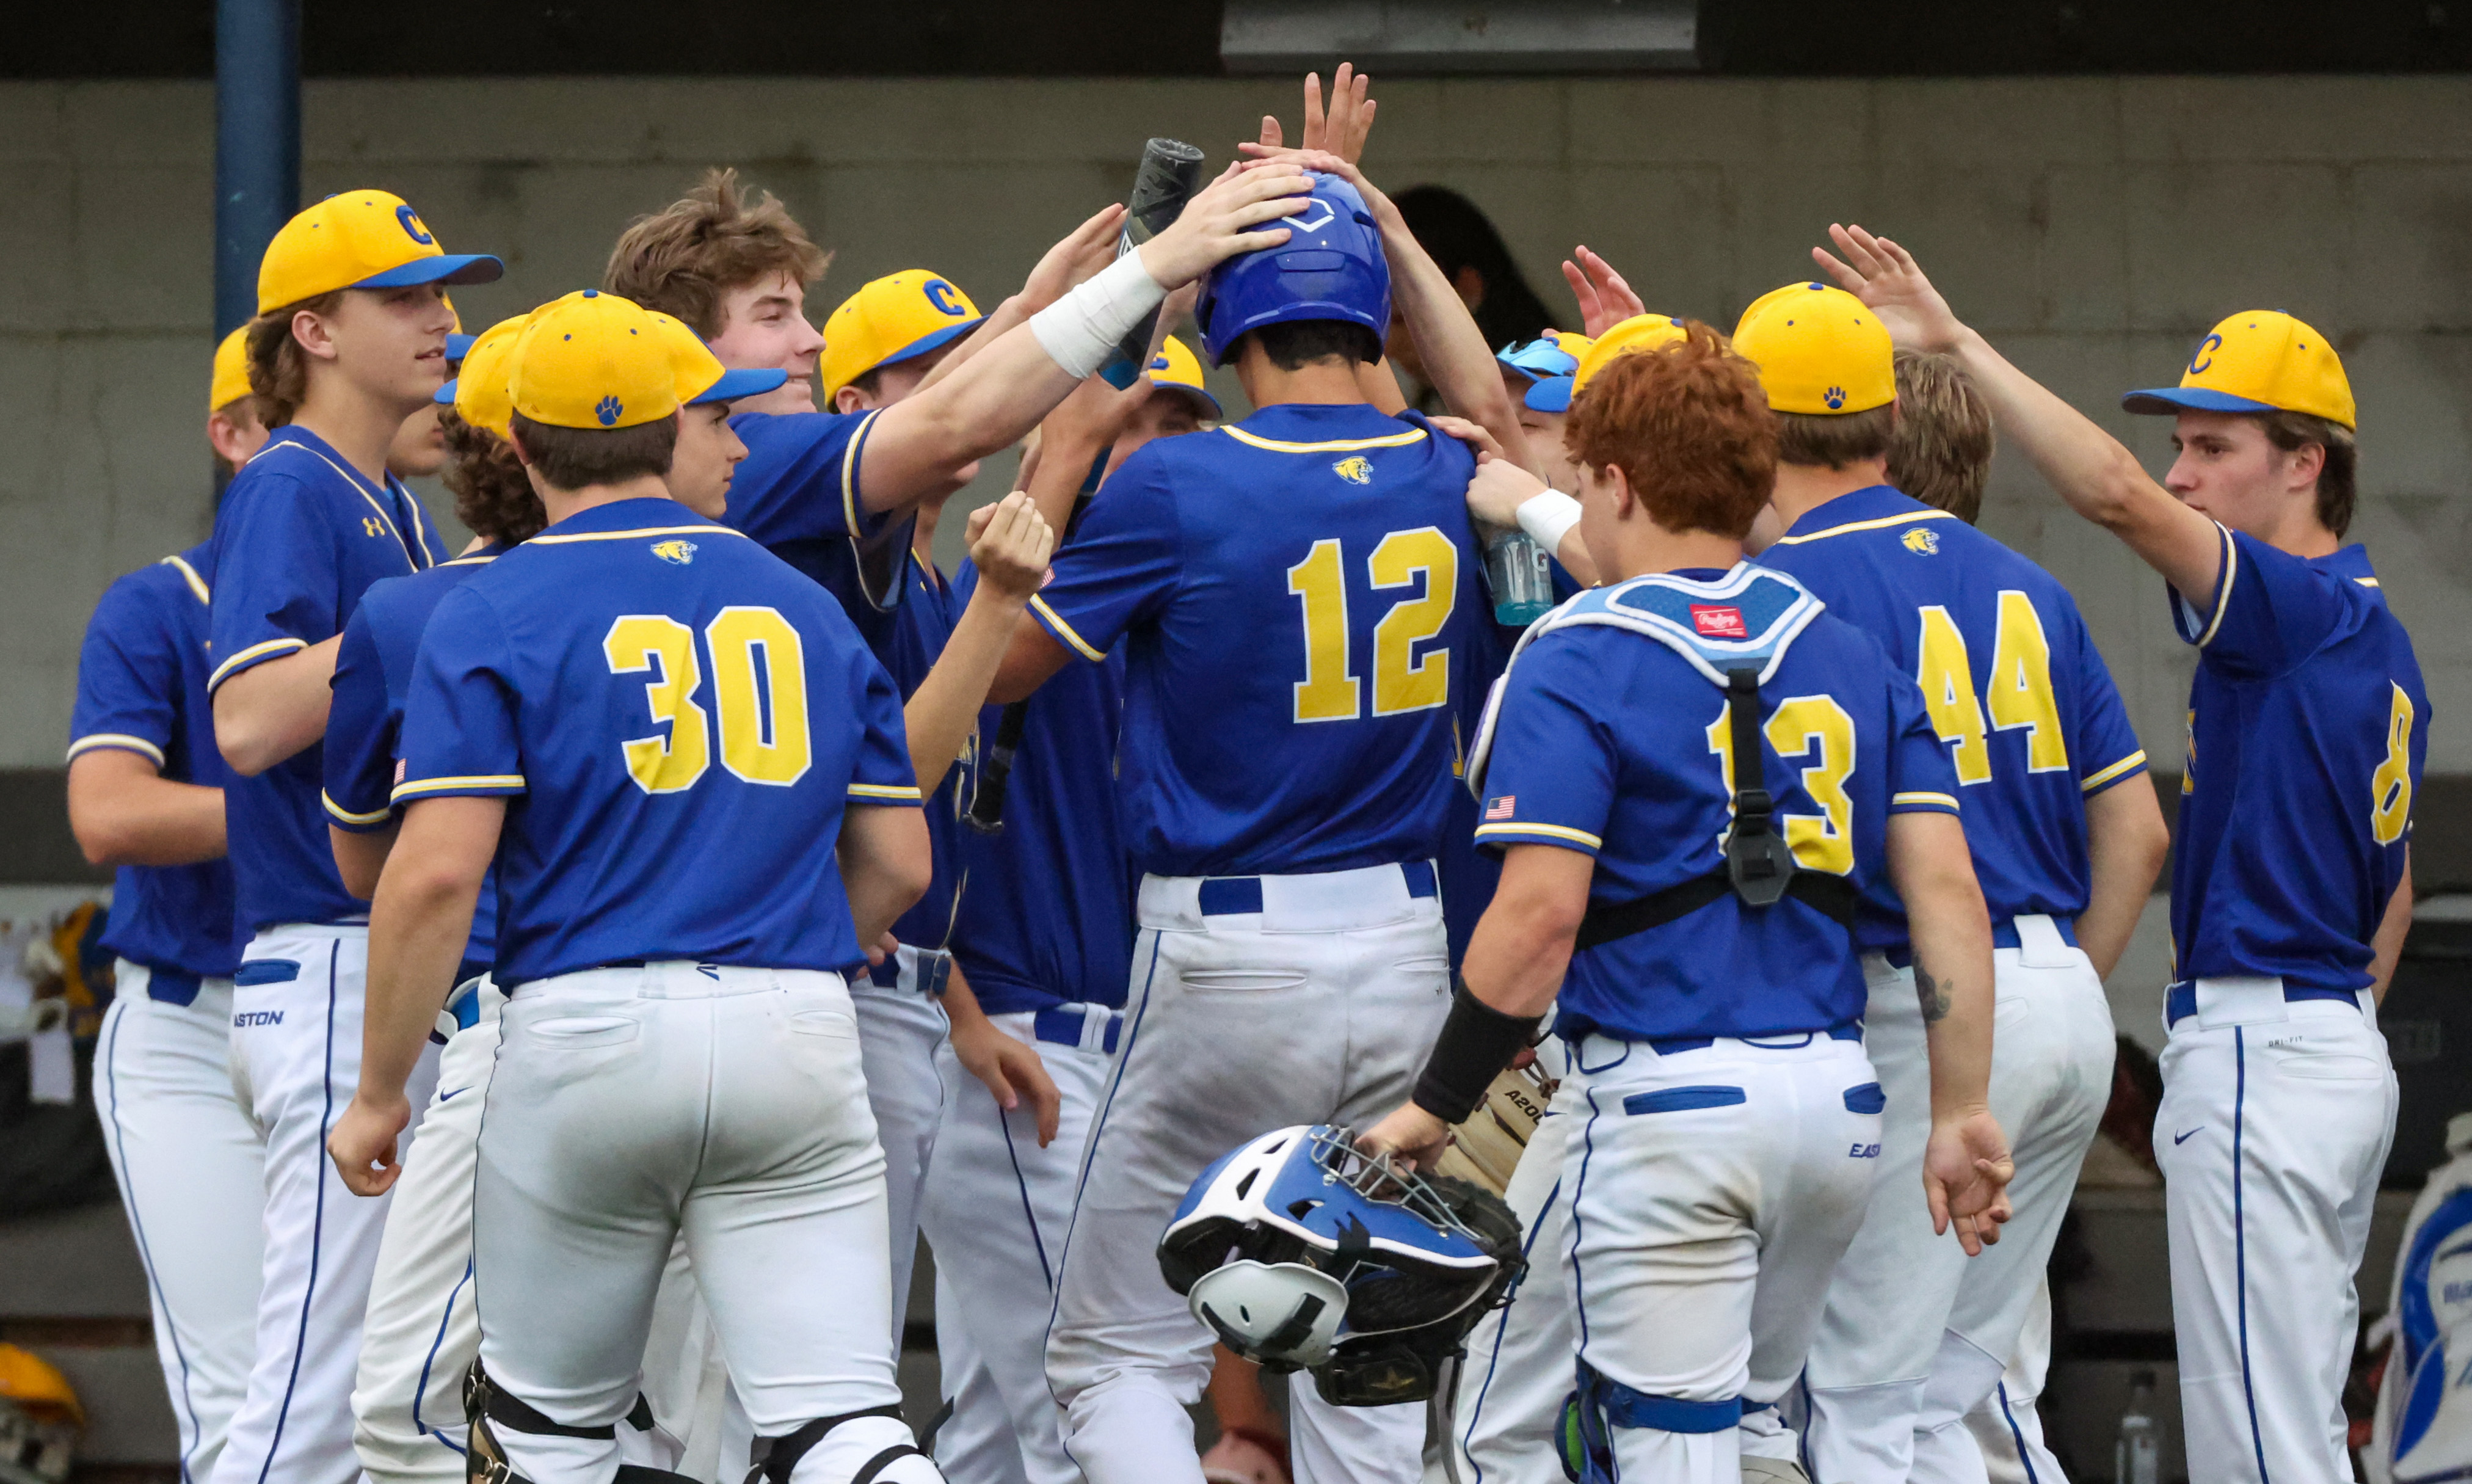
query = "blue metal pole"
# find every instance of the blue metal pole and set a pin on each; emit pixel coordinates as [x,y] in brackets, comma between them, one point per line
[257,144]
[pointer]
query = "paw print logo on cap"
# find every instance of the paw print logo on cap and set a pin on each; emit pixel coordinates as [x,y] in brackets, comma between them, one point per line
[1834,396]
[607,410]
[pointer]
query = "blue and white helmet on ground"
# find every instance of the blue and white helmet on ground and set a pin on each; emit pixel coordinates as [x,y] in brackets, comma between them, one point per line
[1304,1253]
[1330,268]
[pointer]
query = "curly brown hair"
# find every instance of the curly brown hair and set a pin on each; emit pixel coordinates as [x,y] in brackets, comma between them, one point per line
[494,495]
[1689,426]
[680,261]
[279,369]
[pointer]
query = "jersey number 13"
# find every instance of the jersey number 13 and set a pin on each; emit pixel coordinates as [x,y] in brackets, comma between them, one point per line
[759,697]
[1403,680]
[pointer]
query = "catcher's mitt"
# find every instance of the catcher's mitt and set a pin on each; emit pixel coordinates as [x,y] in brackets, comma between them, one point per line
[1486,1149]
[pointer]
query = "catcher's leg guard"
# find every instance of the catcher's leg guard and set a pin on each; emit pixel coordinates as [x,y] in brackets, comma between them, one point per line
[485,1408]
[876,1441]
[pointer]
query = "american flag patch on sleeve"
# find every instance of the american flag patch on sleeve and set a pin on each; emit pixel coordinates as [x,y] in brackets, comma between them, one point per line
[1501,808]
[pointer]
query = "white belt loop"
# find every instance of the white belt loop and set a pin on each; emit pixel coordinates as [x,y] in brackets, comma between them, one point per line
[2244,999]
[2039,944]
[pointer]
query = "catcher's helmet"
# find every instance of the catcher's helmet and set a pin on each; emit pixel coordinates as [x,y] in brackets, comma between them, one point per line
[1330,268]
[1304,1252]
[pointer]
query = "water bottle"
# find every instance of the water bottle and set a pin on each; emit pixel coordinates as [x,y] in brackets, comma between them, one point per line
[2137,1459]
[1521,577]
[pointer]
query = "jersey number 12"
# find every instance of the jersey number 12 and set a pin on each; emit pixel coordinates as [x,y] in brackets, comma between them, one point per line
[759,697]
[1402,680]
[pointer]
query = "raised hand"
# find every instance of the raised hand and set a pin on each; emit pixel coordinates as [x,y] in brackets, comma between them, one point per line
[1232,215]
[1606,301]
[1885,277]
[1342,129]
[1967,1169]
[1009,544]
[1083,252]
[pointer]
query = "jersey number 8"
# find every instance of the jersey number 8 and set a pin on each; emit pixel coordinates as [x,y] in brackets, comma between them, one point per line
[1402,681]
[2020,693]
[759,693]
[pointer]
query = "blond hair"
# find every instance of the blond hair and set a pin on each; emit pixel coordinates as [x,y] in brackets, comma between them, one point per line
[1942,453]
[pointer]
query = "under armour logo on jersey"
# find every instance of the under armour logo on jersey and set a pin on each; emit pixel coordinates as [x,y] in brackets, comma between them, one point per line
[607,410]
[1718,621]
[680,551]
[1922,541]
[371,525]
[1834,396]
[1356,471]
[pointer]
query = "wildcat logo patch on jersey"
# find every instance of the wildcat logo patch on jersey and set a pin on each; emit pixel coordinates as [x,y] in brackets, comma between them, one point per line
[1922,541]
[1358,470]
[680,551]
[1718,621]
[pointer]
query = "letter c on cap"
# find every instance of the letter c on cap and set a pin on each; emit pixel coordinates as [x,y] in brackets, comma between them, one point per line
[412,228]
[2205,356]
[940,295]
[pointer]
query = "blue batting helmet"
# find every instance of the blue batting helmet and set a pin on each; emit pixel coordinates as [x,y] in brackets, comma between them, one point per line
[1330,268]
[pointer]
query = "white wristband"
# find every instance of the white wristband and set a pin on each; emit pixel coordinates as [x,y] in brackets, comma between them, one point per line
[1081,330]
[1548,517]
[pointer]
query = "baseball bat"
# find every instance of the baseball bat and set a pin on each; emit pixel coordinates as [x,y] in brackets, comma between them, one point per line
[1167,176]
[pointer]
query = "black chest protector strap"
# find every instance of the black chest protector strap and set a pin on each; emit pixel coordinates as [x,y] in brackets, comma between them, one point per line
[1759,865]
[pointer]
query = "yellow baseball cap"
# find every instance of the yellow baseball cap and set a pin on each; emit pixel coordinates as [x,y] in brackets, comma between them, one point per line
[592,360]
[2259,360]
[698,373]
[1176,366]
[230,381]
[894,319]
[479,392]
[1639,332]
[1819,350]
[363,239]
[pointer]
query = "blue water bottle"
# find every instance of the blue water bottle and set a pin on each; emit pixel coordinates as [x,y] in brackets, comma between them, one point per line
[1521,577]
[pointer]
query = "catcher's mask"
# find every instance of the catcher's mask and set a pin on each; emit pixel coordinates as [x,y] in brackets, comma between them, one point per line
[1304,1252]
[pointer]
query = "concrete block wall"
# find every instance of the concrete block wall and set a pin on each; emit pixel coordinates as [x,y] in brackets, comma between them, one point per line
[2094,227]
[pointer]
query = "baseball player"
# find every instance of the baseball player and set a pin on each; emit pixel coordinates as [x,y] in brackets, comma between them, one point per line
[1725,1119]
[348,342]
[2066,842]
[1296,591]
[145,794]
[941,646]
[1041,948]
[2290,888]
[676,1052]
[1941,453]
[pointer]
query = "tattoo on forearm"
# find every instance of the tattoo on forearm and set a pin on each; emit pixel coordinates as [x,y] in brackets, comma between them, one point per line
[1932,993]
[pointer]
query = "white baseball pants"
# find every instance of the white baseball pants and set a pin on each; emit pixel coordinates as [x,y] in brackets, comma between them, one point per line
[193,1179]
[901,1031]
[1712,1193]
[1519,1365]
[1915,1332]
[997,1208]
[2006,1426]
[2271,1134]
[295,1061]
[1315,1006]
[629,1105]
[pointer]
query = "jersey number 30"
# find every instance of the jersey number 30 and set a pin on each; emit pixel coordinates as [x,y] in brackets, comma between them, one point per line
[1402,680]
[759,696]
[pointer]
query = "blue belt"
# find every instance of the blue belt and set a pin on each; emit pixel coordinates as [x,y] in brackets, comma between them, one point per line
[172,986]
[2180,1000]
[1236,896]
[1064,1026]
[1668,1046]
[464,1003]
[935,972]
[2004,935]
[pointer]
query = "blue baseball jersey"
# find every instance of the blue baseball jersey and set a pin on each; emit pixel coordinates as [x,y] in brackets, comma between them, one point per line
[677,720]
[1615,745]
[912,640]
[797,493]
[2011,681]
[1296,593]
[365,727]
[1048,917]
[301,536]
[142,689]
[2308,727]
